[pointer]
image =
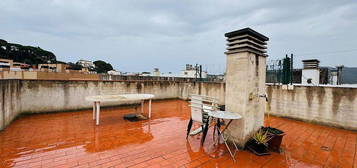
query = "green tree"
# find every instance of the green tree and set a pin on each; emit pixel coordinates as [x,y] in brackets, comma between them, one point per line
[102,67]
[74,66]
[25,54]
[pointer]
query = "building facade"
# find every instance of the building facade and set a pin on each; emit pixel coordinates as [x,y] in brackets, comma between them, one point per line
[86,63]
[193,72]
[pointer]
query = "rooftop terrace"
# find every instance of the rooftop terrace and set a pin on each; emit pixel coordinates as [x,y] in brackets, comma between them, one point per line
[71,139]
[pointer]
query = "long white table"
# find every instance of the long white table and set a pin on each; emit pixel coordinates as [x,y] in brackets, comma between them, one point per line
[117,98]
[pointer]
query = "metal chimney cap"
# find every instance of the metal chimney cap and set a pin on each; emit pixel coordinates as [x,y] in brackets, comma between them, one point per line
[311,60]
[247,31]
[311,63]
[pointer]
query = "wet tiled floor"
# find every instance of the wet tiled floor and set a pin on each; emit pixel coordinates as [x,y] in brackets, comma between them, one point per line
[71,139]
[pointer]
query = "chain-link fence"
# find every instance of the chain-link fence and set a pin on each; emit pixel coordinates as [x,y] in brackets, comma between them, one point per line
[280,71]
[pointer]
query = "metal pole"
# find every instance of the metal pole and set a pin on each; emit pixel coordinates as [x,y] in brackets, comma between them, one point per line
[274,73]
[292,68]
[142,106]
[286,70]
[196,72]
[280,78]
[200,72]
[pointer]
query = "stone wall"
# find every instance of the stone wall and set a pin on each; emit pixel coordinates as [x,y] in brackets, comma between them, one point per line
[333,106]
[37,96]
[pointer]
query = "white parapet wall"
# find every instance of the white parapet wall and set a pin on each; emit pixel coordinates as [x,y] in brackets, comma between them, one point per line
[10,107]
[328,105]
[43,96]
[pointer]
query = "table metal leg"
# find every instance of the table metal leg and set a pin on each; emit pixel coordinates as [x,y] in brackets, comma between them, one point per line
[97,113]
[220,132]
[142,106]
[214,132]
[218,128]
[94,109]
[149,108]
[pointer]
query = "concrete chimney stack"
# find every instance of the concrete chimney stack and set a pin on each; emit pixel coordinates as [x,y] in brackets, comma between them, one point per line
[311,72]
[245,82]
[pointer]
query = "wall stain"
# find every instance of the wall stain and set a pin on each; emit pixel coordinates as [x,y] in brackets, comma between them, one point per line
[128,84]
[96,84]
[3,83]
[164,84]
[18,88]
[65,94]
[32,85]
[351,94]
[320,94]
[309,95]
[12,96]
[206,88]
[256,65]
[270,95]
[292,93]
[86,84]
[199,88]
[147,83]
[337,95]
[138,87]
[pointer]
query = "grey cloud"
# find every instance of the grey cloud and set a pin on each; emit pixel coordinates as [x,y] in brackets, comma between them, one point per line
[140,35]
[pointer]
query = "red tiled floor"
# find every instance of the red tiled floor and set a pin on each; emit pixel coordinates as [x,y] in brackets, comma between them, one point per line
[71,139]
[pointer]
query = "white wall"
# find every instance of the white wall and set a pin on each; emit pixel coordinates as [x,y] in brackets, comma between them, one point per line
[333,106]
[10,91]
[313,74]
[192,74]
[37,96]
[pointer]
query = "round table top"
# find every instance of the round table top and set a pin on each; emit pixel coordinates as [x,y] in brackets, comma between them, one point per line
[122,97]
[225,115]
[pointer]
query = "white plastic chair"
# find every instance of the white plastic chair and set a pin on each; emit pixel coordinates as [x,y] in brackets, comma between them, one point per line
[200,106]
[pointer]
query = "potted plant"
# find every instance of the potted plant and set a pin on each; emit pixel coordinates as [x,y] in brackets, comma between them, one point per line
[276,138]
[258,144]
[276,134]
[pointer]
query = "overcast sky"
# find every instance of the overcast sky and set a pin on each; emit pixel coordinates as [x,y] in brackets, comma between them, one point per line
[138,35]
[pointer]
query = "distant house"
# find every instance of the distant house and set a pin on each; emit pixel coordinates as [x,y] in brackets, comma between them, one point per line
[18,66]
[156,72]
[86,63]
[10,65]
[114,72]
[52,67]
[145,74]
[193,72]
[5,64]
[216,77]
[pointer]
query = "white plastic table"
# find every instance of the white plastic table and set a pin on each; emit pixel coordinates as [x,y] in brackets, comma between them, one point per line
[225,115]
[115,98]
